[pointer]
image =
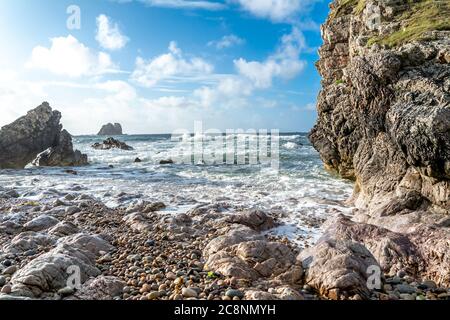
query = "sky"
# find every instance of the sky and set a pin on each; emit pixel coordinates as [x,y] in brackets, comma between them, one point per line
[157,66]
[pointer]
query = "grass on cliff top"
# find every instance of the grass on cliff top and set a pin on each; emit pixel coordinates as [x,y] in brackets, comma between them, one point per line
[420,18]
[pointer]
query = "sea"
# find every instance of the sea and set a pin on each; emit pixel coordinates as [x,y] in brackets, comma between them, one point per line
[298,190]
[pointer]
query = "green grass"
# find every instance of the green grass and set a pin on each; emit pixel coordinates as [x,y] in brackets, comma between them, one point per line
[420,18]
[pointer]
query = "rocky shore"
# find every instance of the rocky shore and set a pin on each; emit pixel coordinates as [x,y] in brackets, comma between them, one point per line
[214,252]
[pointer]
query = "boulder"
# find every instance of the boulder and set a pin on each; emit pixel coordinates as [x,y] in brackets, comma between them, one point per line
[40,223]
[100,288]
[111,143]
[62,155]
[73,256]
[111,130]
[255,219]
[26,241]
[338,269]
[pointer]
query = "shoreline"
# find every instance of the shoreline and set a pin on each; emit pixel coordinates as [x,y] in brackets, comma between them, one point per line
[140,253]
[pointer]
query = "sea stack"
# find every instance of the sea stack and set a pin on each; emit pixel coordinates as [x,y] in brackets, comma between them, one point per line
[111,130]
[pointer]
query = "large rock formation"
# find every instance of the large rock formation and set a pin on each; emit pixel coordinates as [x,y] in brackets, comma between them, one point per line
[111,130]
[22,140]
[62,155]
[384,122]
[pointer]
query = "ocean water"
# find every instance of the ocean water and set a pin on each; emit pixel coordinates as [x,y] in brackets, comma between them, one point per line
[301,192]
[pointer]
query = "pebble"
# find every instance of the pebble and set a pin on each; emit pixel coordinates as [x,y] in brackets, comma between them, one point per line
[407,296]
[189,293]
[405,288]
[10,270]
[428,284]
[401,274]
[234,293]
[6,289]
[2,281]
[7,263]
[153,295]
[67,291]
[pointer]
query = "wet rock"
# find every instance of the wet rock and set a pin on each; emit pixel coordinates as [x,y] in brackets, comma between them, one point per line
[61,155]
[111,143]
[23,139]
[164,162]
[137,160]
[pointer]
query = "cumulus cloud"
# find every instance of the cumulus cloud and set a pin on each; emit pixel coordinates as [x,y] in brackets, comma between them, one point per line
[69,57]
[181,4]
[227,42]
[275,10]
[172,64]
[109,35]
[285,63]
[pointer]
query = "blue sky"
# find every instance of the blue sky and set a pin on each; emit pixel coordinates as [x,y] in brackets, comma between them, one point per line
[157,66]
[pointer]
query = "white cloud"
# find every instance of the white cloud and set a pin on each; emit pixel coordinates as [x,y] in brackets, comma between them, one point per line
[109,35]
[69,57]
[275,10]
[181,4]
[229,92]
[169,65]
[227,42]
[285,63]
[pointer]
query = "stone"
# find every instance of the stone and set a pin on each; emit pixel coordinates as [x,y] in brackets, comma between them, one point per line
[67,291]
[137,160]
[40,223]
[63,229]
[112,143]
[335,267]
[164,162]
[49,271]
[27,241]
[100,288]
[6,289]
[405,288]
[255,219]
[234,293]
[111,130]
[189,293]
[153,295]
[10,270]
[2,281]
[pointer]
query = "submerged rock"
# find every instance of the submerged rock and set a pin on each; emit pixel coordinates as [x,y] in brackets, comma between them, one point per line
[111,130]
[111,143]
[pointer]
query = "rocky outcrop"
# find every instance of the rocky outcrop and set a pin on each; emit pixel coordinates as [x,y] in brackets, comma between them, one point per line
[384,122]
[111,130]
[111,143]
[384,110]
[62,155]
[30,135]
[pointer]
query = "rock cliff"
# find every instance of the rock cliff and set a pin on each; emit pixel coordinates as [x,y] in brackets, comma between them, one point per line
[384,110]
[384,122]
